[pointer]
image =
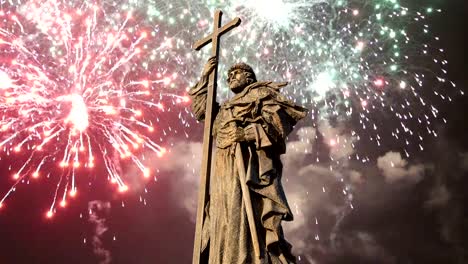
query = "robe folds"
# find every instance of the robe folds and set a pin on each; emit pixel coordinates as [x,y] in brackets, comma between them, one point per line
[226,236]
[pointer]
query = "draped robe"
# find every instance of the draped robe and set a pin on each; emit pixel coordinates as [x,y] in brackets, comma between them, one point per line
[226,237]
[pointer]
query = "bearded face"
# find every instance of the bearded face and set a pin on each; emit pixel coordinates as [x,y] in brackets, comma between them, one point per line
[237,80]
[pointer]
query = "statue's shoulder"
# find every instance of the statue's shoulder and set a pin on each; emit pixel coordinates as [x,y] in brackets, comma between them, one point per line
[256,92]
[265,89]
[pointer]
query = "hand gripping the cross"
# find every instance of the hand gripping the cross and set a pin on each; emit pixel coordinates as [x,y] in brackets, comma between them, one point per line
[209,66]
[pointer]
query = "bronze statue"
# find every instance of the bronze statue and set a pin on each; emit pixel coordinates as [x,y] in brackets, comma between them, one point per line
[242,206]
[259,118]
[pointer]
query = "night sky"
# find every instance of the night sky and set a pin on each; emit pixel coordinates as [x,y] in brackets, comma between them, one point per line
[416,215]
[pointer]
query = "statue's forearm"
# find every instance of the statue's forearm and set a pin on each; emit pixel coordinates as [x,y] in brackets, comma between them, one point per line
[198,94]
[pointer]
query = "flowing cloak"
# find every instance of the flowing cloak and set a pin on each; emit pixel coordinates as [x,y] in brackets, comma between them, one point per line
[226,233]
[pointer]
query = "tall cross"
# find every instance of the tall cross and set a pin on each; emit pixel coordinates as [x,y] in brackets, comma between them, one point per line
[203,192]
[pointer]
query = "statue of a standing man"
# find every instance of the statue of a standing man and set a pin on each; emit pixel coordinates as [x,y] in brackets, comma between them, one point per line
[258,118]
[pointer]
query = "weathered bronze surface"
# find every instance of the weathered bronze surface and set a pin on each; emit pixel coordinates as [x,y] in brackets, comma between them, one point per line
[243,204]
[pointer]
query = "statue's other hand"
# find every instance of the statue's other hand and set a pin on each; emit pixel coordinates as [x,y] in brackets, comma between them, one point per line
[249,132]
[209,66]
[236,134]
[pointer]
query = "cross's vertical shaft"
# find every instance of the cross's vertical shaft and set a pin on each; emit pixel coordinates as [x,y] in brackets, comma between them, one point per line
[209,117]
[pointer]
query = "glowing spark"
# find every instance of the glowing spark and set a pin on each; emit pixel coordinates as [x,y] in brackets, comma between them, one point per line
[5,81]
[49,214]
[379,82]
[79,113]
[360,45]
[323,83]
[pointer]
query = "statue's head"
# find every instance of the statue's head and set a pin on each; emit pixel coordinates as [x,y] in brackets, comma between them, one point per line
[240,75]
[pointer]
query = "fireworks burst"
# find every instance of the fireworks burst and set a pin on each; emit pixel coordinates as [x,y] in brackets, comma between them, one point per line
[348,61]
[371,63]
[83,83]
[72,94]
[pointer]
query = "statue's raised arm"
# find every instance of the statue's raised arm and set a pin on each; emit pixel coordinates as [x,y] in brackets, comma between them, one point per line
[199,91]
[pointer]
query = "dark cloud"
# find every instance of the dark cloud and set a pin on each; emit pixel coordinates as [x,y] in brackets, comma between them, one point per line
[402,208]
[439,196]
[464,161]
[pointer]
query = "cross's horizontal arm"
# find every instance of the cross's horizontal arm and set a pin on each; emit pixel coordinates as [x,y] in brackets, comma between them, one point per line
[205,41]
